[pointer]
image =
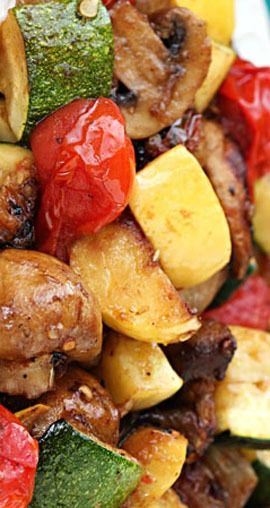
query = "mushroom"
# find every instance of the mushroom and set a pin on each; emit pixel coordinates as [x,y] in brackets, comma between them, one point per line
[160,62]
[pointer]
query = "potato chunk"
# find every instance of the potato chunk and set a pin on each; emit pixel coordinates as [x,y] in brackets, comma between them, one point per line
[135,296]
[144,376]
[169,500]
[45,308]
[162,454]
[178,210]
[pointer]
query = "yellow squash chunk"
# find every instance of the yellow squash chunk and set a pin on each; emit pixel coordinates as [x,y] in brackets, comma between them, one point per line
[222,60]
[135,296]
[261,219]
[13,81]
[169,500]
[243,397]
[241,407]
[219,15]
[162,454]
[251,359]
[136,373]
[178,210]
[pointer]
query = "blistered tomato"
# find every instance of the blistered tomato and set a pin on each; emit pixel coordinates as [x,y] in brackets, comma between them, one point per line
[86,167]
[248,306]
[18,462]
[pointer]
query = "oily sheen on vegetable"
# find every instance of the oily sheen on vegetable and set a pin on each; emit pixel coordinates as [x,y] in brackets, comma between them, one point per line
[85,165]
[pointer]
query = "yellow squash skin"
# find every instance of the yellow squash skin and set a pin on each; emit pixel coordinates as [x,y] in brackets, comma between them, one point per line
[144,376]
[261,220]
[222,60]
[219,15]
[178,210]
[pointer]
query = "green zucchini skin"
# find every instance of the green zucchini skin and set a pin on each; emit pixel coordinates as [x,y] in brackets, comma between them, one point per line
[68,56]
[75,471]
[261,495]
[228,439]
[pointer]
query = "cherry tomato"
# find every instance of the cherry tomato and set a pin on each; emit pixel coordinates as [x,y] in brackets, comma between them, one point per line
[18,462]
[248,306]
[86,167]
[244,100]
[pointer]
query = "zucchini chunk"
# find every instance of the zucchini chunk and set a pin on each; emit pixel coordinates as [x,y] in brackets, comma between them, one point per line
[222,60]
[135,296]
[77,471]
[162,454]
[65,54]
[144,375]
[178,210]
[13,81]
[243,397]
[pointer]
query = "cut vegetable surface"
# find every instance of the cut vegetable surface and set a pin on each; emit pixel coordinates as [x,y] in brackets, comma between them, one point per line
[261,495]
[243,398]
[175,205]
[144,376]
[261,217]
[162,454]
[218,16]
[222,60]
[67,55]
[135,296]
[90,474]
[13,81]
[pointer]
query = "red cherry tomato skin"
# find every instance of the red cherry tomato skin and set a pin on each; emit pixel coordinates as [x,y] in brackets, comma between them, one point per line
[244,101]
[18,462]
[86,167]
[248,306]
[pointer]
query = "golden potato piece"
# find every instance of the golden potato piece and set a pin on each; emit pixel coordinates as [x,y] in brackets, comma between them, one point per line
[135,296]
[178,210]
[162,454]
[45,308]
[144,376]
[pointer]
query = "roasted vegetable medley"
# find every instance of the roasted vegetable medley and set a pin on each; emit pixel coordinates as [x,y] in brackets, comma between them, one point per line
[134,257]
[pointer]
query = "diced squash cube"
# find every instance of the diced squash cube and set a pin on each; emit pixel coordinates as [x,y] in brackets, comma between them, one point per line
[218,14]
[178,210]
[137,373]
[222,60]
[169,500]
[162,454]
[261,219]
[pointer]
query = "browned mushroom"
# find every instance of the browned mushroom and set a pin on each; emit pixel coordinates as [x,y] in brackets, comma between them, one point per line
[160,62]
[151,6]
[219,156]
[29,378]
[18,192]
[45,308]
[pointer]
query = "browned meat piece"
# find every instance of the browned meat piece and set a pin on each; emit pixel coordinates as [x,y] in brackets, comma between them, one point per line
[44,308]
[81,400]
[206,355]
[223,164]
[160,63]
[29,378]
[152,6]
[192,413]
[18,192]
[222,479]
